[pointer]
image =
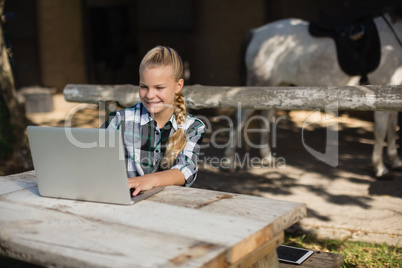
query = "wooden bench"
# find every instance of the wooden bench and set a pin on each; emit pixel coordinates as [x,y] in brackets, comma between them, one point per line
[319,259]
[178,227]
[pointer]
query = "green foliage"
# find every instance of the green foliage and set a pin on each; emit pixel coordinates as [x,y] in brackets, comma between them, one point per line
[6,132]
[356,254]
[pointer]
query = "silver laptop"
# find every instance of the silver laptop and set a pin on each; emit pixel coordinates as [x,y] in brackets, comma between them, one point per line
[81,164]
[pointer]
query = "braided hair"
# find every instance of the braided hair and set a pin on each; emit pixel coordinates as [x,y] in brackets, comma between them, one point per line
[161,56]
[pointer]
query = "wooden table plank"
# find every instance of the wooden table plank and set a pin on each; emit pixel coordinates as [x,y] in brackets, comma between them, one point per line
[199,224]
[261,252]
[283,213]
[71,241]
[180,226]
[16,182]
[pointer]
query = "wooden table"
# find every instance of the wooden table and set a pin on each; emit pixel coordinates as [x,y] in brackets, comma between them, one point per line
[178,227]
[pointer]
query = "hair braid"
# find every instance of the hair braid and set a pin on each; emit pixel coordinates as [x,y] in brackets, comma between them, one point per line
[180,108]
[178,140]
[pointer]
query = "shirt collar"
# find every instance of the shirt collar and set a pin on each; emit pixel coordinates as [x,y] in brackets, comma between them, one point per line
[174,122]
[146,118]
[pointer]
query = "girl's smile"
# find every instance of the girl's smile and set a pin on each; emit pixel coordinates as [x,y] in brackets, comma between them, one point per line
[153,103]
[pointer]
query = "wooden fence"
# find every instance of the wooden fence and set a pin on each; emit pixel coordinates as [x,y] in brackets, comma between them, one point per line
[360,98]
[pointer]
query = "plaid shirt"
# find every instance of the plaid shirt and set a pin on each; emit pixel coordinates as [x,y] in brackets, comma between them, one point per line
[145,142]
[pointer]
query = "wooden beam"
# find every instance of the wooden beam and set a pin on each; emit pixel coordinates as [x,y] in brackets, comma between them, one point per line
[360,98]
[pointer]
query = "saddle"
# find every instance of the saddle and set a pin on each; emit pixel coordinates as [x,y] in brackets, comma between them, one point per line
[357,42]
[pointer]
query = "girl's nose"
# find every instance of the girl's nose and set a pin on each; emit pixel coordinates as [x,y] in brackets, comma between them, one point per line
[150,94]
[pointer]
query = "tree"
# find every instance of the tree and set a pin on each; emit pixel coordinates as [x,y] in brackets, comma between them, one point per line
[13,120]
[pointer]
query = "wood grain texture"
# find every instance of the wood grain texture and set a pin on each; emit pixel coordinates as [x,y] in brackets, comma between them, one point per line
[179,227]
[266,250]
[360,98]
[317,260]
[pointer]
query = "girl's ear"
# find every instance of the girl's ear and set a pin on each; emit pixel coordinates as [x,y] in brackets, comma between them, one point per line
[179,87]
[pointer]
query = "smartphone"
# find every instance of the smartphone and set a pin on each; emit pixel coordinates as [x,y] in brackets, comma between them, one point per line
[293,254]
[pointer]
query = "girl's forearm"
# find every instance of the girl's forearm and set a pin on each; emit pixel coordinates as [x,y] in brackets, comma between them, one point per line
[167,177]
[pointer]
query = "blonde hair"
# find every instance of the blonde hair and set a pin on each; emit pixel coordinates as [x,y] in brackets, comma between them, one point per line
[161,56]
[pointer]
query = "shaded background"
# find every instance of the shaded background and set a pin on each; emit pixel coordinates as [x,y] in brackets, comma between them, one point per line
[59,42]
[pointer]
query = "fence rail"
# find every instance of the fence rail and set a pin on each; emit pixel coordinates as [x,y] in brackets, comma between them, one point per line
[360,98]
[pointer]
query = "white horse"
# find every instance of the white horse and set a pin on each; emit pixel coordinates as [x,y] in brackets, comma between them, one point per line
[283,53]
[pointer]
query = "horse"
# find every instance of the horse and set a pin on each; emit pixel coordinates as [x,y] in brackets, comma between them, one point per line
[283,53]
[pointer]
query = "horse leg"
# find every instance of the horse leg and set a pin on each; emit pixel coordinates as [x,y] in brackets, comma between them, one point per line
[265,151]
[380,128]
[392,152]
[235,134]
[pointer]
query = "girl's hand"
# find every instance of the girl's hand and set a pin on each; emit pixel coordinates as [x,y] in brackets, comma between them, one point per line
[141,183]
[162,178]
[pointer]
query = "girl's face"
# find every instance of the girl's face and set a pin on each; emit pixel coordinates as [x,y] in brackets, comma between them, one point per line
[157,91]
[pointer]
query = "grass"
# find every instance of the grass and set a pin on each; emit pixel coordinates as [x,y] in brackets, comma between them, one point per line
[356,254]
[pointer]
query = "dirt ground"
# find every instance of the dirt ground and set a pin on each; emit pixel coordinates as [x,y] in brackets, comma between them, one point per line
[344,200]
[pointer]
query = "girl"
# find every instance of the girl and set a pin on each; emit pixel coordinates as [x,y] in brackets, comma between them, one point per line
[162,142]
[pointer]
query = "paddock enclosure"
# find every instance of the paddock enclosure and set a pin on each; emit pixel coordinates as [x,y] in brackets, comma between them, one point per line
[359,98]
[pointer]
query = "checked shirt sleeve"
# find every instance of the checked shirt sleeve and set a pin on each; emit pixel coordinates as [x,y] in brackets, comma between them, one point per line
[187,160]
[113,122]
